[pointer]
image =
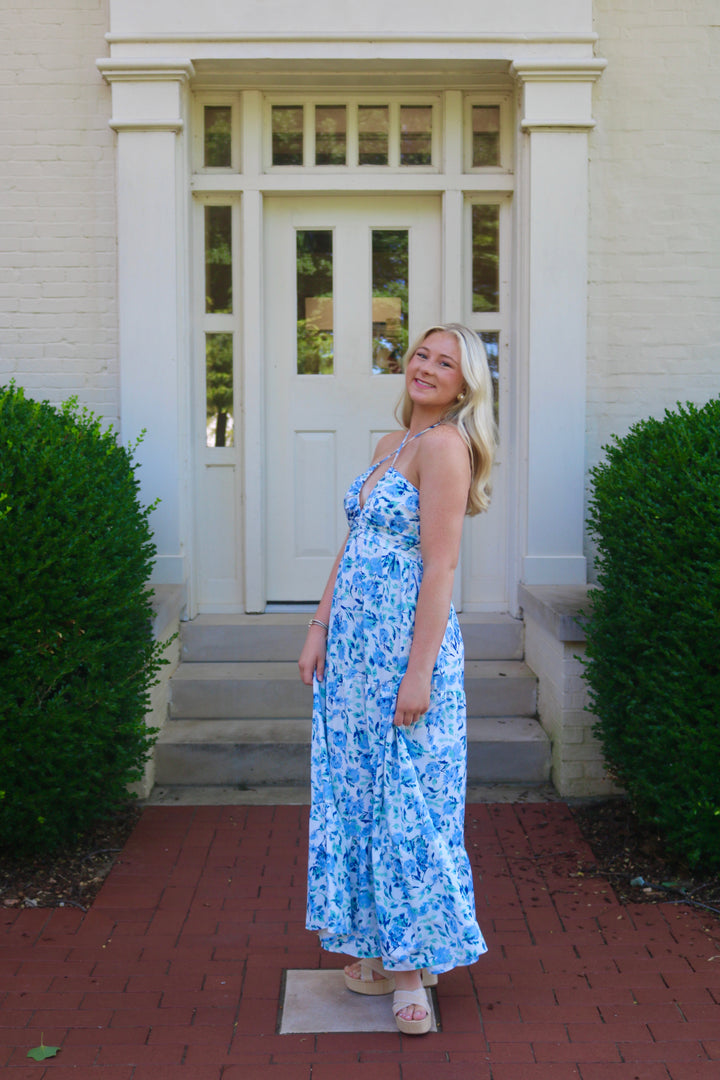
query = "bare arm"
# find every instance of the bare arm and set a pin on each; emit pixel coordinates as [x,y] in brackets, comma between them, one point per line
[444,478]
[312,657]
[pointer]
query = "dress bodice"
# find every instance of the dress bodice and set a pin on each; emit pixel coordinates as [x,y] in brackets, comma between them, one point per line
[391,512]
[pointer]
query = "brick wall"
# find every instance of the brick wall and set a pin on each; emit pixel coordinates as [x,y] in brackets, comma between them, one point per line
[58,317]
[654,315]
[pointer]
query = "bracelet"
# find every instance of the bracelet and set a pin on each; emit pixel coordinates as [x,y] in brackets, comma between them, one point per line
[318,622]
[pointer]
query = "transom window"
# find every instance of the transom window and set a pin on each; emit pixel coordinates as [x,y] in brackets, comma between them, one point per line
[358,132]
[354,133]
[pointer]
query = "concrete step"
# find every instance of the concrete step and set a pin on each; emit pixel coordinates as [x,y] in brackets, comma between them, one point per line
[247,638]
[259,690]
[277,752]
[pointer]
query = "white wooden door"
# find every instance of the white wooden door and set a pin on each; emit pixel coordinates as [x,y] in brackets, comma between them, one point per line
[337,313]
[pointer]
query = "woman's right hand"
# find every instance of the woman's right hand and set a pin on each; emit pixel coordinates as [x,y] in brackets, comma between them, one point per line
[312,657]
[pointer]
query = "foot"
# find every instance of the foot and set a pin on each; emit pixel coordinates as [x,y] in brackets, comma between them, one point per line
[353,971]
[410,980]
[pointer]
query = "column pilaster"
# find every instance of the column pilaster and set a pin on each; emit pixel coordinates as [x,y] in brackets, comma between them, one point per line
[149,108]
[552,286]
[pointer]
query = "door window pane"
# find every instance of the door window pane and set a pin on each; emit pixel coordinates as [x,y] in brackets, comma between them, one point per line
[373,131]
[218,259]
[390,270]
[415,135]
[485,135]
[219,389]
[491,341]
[218,137]
[315,318]
[287,134]
[485,256]
[330,135]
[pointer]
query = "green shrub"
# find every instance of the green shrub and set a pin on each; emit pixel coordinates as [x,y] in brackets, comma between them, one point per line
[654,631]
[77,656]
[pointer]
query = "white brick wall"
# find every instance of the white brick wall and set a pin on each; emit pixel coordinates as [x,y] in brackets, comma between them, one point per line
[58,317]
[654,310]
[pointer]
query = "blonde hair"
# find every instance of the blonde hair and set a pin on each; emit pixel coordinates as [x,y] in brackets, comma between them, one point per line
[472,416]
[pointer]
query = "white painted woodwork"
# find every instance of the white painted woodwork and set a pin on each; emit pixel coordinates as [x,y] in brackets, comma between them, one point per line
[320,428]
[534,529]
[148,112]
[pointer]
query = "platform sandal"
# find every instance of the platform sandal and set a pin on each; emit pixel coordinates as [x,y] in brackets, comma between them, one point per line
[401,1000]
[366,984]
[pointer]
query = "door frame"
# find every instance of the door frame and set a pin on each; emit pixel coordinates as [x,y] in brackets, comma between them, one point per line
[243,470]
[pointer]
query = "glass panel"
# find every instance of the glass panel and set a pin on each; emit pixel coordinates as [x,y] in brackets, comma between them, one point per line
[415,135]
[373,130]
[330,134]
[491,341]
[390,263]
[287,134]
[485,135]
[218,137]
[485,256]
[218,259]
[315,317]
[219,389]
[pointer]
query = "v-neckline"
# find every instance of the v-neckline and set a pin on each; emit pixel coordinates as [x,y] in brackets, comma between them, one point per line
[394,454]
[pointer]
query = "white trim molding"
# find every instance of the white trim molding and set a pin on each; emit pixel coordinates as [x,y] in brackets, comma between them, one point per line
[147,125]
[141,70]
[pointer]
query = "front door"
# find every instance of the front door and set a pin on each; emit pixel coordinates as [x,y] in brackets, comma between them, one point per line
[349,281]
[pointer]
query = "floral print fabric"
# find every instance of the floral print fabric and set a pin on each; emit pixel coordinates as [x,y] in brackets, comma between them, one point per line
[388,872]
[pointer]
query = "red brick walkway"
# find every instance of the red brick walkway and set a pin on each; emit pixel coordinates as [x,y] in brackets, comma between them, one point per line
[176,970]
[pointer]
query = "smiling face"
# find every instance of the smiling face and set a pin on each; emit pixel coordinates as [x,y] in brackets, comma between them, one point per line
[433,376]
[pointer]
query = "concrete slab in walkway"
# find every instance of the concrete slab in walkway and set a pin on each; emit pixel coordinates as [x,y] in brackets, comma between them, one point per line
[176,971]
[317,1000]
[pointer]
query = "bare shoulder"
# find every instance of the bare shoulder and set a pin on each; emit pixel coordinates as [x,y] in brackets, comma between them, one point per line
[445,445]
[387,445]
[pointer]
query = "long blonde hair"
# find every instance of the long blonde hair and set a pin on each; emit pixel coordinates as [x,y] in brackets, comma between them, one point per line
[472,416]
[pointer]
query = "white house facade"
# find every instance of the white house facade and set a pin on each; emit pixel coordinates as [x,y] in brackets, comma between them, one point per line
[223,222]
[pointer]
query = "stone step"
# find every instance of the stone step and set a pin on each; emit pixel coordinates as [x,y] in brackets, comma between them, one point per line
[259,690]
[278,637]
[277,752]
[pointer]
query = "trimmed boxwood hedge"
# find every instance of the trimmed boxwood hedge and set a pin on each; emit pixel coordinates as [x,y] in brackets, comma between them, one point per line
[77,655]
[653,635]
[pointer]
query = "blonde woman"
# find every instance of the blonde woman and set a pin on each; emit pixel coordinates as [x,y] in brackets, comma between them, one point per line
[389,879]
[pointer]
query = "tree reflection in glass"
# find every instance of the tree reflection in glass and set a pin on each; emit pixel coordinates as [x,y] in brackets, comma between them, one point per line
[485,135]
[218,259]
[219,389]
[287,134]
[330,134]
[315,317]
[485,256]
[390,279]
[416,135]
[373,134]
[491,341]
[217,150]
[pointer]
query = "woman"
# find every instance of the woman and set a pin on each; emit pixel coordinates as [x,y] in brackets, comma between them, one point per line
[389,880]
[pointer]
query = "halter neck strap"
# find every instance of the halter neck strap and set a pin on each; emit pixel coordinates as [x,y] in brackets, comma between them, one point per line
[408,438]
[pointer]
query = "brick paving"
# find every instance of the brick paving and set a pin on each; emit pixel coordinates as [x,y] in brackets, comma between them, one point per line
[175,973]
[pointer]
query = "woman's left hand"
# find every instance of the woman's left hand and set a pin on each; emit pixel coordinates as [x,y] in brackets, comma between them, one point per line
[413,700]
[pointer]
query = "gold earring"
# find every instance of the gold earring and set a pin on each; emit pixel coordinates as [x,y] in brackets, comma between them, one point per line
[461,396]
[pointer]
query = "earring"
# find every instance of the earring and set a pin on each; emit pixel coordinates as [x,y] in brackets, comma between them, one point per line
[461,396]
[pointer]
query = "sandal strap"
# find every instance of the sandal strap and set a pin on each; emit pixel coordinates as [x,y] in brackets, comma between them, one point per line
[370,965]
[403,998]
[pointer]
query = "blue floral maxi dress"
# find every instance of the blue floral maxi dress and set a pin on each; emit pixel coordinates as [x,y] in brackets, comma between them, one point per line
[388,872]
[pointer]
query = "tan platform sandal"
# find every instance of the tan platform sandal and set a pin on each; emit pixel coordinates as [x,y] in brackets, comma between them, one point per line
[401,1000]
[367,984]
